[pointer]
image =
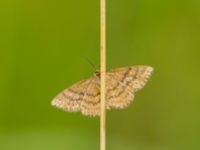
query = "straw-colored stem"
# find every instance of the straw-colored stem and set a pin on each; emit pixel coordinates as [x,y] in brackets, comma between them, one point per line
[103,74]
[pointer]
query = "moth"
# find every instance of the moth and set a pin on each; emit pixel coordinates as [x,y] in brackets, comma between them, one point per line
[121,85]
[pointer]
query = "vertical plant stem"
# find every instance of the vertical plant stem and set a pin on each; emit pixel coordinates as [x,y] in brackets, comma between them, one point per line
[103,74]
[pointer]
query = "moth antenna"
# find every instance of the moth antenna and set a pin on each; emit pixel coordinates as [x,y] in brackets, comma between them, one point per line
[91,63]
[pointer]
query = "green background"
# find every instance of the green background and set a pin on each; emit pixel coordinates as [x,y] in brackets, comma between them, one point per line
[43,46]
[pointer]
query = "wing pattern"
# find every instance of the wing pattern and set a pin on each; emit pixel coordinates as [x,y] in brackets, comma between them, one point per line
[83,96]
[124,82]
[121,84]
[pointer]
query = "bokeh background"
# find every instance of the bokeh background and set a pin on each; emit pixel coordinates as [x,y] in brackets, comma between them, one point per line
[43,46]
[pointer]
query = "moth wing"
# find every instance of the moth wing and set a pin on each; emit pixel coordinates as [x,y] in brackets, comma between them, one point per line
[91,104]
[82,96]
[122,83]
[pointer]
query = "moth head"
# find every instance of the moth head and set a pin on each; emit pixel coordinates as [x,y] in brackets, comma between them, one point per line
[97,73]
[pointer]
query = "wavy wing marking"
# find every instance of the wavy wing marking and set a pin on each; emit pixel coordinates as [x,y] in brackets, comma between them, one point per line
[82,96]
[122,83]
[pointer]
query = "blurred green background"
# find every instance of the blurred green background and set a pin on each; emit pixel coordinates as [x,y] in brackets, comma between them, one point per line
[43,45]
